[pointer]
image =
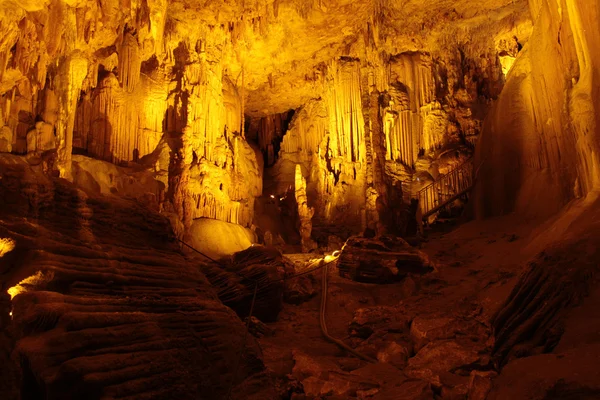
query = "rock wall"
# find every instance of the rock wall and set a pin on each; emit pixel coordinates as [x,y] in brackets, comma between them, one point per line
[540,143]
[381,130]
[104,304]
[113,83]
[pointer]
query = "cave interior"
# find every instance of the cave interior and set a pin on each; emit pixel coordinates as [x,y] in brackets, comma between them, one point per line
[300,199]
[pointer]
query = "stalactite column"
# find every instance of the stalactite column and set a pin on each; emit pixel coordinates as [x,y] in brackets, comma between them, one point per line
[72,72]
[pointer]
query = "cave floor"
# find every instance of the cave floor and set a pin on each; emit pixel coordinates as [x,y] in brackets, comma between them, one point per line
[478,264]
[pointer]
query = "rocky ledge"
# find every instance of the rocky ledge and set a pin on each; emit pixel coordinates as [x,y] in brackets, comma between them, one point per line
[105,305]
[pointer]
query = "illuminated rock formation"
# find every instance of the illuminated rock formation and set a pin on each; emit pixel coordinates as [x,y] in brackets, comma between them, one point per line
[539,149]
[121,79]
[305,213]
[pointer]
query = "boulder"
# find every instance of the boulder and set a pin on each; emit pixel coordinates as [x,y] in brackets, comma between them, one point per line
[380,318]
[299,289]
[257,328]
[219,238]
[437,358]
[324,378]
[480,384]
[394,353]
[235,278]
[383,259]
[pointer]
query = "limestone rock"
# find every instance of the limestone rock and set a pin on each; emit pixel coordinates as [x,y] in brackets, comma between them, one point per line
[412,390]
[395,354]
[570,374]
[437,358]
[480,385]
[300,289]
[236,277]
[5,140]
[321,378]
[366,321]
[425,330]
[381,260]
[105,304]
[257,328]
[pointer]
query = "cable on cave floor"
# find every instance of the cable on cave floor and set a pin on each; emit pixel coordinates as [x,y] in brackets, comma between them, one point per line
[322,264]
[323,323]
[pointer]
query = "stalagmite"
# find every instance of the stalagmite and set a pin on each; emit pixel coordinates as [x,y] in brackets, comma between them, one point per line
[305,212]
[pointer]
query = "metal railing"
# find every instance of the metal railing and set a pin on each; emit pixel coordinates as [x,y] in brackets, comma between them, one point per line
[446,189]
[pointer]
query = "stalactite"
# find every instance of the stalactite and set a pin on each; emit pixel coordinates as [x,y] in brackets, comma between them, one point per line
[411,120]
[306,131]
[206,115]
[414,70]
[70,80]
[346,122]
[28,47]
[111,125]
[105,119]
[129,62]
[19,104]
[158,17]
[5,133]
[83,122]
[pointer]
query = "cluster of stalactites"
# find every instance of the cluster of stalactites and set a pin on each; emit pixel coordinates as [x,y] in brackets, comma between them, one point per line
[130,62]
[211,206]
[111,125]
[344,107]
[408,103]
[206,113]
[307,130]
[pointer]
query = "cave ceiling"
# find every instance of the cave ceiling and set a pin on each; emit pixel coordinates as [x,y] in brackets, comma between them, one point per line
[272,50]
